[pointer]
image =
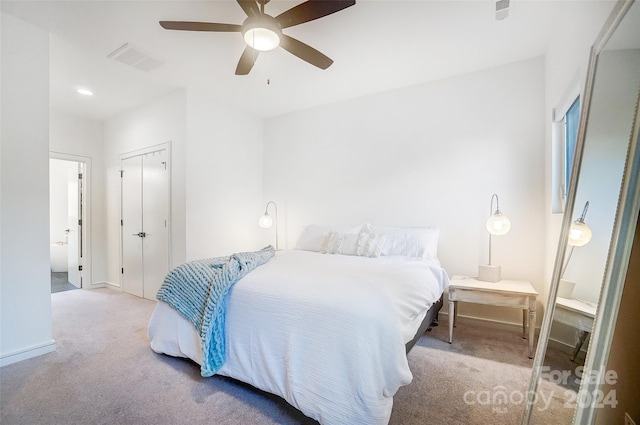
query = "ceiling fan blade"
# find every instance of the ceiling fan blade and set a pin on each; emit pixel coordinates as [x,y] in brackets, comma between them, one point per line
[199,26]
[246,61]
[305,52]
[310,10]
[250,7]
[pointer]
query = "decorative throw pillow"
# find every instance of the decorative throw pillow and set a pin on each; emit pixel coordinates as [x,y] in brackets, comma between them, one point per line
[332,243]
[408,241]
[370,244]
[313,236]
[340,243]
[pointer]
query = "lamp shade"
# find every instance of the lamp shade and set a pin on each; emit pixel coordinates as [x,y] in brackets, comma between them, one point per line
[498,224]
[579,234]
[265,221]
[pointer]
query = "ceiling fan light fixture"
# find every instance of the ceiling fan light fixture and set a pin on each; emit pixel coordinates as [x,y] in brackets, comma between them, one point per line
[261,33]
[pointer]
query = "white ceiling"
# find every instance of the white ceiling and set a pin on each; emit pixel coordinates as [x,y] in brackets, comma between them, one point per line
[376,45]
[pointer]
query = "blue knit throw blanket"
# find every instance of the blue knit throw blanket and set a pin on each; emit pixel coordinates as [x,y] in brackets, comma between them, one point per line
[198,289]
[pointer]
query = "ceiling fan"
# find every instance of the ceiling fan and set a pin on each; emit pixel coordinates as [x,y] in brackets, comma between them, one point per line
[263,32]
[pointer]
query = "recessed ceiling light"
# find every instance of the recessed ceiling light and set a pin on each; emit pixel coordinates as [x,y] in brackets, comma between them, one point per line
[84,92]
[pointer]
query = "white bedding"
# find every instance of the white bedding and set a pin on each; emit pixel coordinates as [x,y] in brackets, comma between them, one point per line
[325,332]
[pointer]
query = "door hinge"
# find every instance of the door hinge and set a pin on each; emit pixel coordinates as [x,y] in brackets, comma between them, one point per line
[122,271]
[80,222]
[80,268]
[121,222]
[121,173]
[80,176]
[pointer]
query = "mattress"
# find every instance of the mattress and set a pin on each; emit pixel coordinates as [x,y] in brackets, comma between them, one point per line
[325,332]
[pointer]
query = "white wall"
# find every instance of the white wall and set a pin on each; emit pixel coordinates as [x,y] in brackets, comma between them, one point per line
[217,199]
[25,283]
[431,154]
[224,179]
[158,122]
[72,135]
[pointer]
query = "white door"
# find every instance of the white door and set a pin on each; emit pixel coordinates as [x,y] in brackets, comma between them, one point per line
[74,230]
[132,225]
[155,215]
[145,206]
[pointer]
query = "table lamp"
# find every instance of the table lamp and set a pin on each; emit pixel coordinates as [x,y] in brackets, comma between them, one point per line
[497,224]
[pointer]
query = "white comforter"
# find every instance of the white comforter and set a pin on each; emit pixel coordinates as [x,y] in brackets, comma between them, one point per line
[325,332]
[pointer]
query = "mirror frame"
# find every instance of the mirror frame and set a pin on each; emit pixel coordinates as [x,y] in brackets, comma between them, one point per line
[615,275]
[619,247]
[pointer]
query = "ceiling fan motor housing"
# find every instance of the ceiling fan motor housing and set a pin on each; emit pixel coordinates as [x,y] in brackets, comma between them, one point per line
[261,32]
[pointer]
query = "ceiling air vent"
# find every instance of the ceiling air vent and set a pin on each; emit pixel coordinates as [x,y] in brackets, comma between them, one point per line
[502,9]
[135,57]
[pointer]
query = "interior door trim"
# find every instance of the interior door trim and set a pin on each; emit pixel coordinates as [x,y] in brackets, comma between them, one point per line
[87,269]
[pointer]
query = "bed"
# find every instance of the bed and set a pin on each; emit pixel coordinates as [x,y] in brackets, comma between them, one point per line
[324,328]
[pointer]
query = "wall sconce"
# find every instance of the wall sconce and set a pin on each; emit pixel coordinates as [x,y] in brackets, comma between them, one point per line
[266,221]
[497,224]
[579,235]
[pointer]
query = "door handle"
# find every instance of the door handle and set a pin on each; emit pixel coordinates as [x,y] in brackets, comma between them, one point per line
[141,234]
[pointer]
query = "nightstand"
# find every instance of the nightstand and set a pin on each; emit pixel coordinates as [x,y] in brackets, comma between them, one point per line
[506,293]
[576,313]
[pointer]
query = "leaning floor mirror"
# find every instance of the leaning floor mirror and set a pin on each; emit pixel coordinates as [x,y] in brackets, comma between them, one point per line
[597,232]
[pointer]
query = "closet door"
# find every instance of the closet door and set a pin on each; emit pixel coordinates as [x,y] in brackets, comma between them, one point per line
[155,215]
[145,223]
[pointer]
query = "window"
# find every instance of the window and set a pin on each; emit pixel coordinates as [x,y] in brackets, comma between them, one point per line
[571,120]
[564,134]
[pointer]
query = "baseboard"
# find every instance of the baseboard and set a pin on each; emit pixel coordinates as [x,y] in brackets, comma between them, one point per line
[27,353]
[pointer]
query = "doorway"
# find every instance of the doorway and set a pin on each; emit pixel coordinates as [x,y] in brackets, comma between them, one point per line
[68,194]
[145,182]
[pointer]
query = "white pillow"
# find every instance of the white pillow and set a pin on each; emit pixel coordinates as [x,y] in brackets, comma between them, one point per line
[408,241]
[313,236]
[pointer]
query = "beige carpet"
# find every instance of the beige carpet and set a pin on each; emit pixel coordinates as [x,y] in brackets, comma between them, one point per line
[103,372]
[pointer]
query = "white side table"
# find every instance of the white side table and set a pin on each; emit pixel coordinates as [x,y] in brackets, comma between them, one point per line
[576,313]
[506,293]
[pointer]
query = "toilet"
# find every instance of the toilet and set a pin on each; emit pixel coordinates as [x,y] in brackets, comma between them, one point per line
[59,257]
